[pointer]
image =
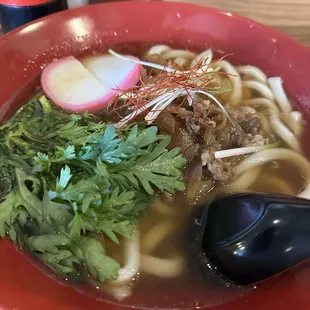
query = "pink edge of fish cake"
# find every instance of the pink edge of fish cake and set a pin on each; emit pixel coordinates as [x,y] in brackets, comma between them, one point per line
[104,96]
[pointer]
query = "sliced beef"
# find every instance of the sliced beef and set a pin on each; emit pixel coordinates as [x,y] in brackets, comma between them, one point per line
[180,111]
[230,136]
[182,139]
[241,113]
[257,140]
[206,129]
[195,117]
[251,125]
[193,125]
[201,108]
[207,156]
[220,170]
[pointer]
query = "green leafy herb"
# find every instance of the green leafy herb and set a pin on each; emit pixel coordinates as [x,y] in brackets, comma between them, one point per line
[101,266]
[65,179]
[158,167]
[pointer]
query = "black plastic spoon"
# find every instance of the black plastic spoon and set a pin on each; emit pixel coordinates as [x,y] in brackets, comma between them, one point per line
[250,237]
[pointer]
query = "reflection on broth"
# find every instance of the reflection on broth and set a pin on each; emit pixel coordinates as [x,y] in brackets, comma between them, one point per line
[234,126]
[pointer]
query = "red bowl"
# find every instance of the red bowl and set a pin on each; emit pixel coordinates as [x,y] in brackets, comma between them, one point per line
[25,51]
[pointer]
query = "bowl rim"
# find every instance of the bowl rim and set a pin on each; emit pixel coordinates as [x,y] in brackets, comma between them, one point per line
[175,3]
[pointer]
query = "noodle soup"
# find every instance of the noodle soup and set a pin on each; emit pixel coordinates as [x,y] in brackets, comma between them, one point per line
[229,128]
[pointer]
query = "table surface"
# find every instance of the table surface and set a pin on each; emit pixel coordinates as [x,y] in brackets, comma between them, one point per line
[289,16]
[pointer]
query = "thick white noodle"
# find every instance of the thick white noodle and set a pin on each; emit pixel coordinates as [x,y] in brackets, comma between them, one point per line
[266,156]
[245,180]
[275,84]
[180,61]
[155,235]
[132,260]
[119,292]
[205,58]
[260,88]
[262,102]
[172,54]
[162,267]
[235,79]
[253,72]
[284,133]
[296,120]
[158,49]
[265,123]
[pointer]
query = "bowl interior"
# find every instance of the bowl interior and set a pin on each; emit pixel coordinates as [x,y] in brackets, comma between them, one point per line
[25,51]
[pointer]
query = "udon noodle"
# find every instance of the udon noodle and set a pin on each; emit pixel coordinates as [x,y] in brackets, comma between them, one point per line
[251,88]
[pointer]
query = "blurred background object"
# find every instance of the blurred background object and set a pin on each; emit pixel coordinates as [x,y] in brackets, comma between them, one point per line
[15,13]
[289,16]
[77,3]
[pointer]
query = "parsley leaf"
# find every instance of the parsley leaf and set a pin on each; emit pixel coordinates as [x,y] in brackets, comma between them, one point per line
[63,180]
[101,266]
[111,228]
[47,243]
[6,209]
[160,168]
